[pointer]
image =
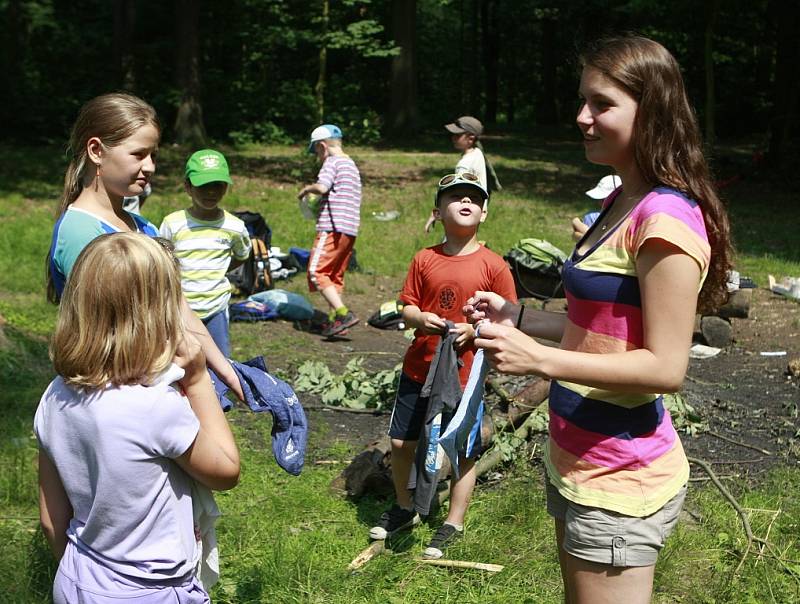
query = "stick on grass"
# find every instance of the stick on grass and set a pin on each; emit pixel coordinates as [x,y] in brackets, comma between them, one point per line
[492,568]
[375,548]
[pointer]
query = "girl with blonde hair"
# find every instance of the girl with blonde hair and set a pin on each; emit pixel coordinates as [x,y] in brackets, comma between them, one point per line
[616,471]
[119,444]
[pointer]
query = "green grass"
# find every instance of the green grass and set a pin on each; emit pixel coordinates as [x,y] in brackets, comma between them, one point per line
[285,539]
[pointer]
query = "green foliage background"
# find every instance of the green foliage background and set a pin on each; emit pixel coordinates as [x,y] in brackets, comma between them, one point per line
[258,61]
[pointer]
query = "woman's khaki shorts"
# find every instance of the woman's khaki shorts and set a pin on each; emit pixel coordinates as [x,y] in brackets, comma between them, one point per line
[606,537]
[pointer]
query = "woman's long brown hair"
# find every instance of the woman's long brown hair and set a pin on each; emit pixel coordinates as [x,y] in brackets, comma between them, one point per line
[667,141]
[112,118]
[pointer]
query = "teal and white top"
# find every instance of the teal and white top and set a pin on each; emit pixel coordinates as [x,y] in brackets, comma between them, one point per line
[73,231]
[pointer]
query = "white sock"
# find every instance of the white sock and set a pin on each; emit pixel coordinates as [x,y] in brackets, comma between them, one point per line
[458,527]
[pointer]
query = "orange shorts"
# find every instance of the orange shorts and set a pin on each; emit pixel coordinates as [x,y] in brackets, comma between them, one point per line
[328,260]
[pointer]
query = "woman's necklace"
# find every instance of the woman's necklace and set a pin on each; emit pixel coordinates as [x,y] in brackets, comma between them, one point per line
[628,202]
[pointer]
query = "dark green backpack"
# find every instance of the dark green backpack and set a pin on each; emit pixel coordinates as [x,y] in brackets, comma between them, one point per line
[536,266]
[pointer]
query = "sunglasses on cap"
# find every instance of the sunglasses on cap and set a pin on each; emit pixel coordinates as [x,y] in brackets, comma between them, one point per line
[449,178]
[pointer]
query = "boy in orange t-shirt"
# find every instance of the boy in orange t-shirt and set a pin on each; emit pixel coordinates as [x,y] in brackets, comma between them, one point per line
[439,282]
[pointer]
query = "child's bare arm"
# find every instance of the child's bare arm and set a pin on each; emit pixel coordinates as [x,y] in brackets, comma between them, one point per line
[428,322]
[55,510]
[431,222]
[316,189]
[213,356]
[213,458]
[578,229]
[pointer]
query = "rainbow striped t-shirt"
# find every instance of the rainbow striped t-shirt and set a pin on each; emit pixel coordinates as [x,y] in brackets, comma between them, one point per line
[619,451]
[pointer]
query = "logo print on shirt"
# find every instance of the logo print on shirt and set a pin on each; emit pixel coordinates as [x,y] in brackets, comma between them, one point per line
[447,297]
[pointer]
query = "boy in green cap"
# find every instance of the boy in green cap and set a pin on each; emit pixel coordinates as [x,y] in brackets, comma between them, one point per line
[208,242]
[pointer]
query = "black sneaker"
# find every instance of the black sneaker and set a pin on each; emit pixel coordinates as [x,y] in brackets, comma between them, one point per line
[396,519]
[445,536]
[340,324]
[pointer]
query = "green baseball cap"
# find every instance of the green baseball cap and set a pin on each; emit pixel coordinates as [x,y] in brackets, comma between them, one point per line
[207,166]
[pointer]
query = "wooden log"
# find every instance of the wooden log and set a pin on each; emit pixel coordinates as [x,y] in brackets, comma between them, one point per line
[717,332]
[370,471]
[738,305]
[522,405]
[492,568]
[375,548]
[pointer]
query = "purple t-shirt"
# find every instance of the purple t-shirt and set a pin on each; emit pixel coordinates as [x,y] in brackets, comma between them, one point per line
[114,451]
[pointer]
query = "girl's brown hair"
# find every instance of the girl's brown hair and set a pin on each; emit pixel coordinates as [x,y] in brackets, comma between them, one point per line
[120,317]
[110,117]
[667,142]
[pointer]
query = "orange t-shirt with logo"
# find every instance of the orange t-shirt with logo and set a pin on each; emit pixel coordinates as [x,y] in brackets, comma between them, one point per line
[442,284]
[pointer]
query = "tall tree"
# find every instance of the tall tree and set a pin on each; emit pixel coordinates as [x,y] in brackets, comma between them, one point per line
[404,114]
[547,107]
[786,89]
[189,126]
[490,43]
[319,88]
[472,48]
[124,24]
[712,8]
[12,78]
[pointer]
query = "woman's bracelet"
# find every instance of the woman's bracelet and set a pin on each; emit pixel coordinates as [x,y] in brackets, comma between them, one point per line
[519,317]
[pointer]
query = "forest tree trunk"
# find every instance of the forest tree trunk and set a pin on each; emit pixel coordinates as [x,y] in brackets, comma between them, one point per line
[712,7]
[404,112]
[473,59]
[547,110]
[124,26]
[490,44]
[319,89]
[786,90]
[189,127]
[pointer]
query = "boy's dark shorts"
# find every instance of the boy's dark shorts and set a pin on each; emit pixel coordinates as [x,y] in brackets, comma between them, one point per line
[408,414]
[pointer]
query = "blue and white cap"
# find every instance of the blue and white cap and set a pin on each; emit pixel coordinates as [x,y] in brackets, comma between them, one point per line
[323,132]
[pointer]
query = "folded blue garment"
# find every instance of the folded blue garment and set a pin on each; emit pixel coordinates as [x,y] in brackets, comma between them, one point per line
[263,392]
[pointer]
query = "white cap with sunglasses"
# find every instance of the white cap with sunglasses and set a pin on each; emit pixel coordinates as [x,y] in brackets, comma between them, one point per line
[462,179]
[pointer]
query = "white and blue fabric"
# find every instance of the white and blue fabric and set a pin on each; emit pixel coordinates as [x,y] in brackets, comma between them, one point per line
[463,432]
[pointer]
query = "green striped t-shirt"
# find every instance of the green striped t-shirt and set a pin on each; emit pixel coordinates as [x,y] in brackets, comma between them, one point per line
[204,249]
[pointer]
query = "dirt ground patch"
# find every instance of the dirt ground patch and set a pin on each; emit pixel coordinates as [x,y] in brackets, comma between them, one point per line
[741,395]
[748,397]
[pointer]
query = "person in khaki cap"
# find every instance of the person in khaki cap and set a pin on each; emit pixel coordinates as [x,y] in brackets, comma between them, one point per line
[465,133]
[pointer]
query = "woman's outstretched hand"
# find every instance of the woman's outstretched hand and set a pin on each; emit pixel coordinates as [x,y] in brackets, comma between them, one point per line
[509,350]
[491,306]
